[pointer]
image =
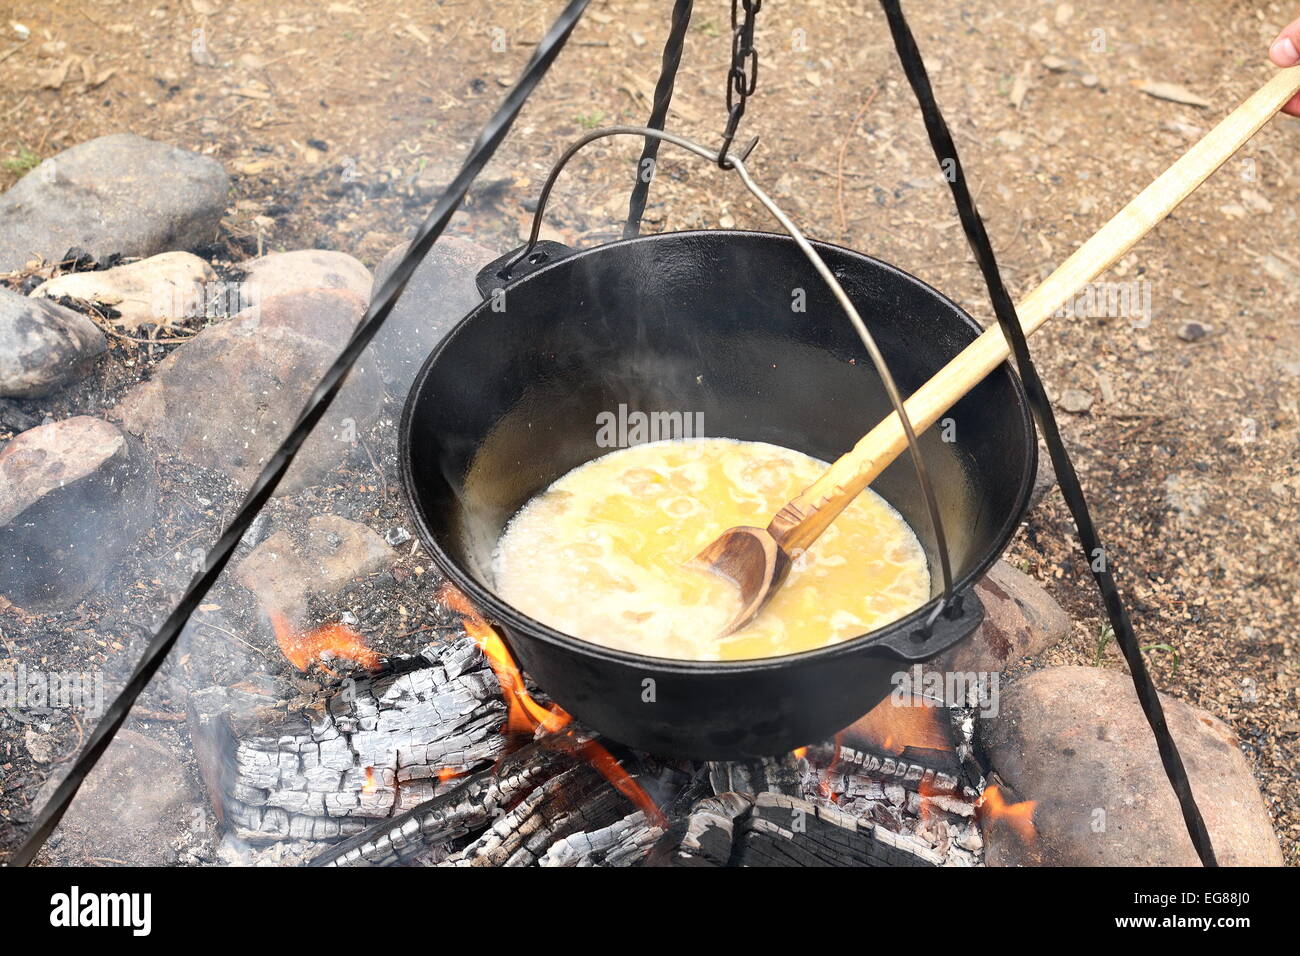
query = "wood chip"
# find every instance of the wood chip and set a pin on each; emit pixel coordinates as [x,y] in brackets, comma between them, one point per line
[1020,86]
[53,78]
[1173,93]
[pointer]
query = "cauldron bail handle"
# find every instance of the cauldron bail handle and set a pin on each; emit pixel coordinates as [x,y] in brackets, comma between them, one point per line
[951,605]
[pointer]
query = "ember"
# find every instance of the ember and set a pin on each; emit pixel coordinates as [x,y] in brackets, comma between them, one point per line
[302,648]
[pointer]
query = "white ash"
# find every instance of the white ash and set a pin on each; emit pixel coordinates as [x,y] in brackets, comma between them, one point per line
[944,823]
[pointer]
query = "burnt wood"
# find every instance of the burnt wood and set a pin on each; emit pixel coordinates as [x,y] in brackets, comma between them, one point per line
[361,765]
[773,829]
[328,767]
[472,804]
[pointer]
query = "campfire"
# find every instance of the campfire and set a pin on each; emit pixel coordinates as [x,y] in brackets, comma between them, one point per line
[342,713]
[450,757]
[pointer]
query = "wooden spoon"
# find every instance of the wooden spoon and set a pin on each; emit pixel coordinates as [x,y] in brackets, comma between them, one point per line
[757,560]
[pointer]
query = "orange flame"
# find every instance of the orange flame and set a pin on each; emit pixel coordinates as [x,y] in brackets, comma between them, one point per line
[301,648]
[824,786]
[1018,816]
[622,781]
[527,716]
[369,786]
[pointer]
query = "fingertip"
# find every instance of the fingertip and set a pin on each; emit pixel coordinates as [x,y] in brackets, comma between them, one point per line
[1283,51]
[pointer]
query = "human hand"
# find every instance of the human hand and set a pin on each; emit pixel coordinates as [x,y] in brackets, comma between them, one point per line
[1285,51]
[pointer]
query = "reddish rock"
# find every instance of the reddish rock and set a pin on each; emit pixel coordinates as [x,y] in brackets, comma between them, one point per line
[1074,741]
[303,270]
[319,559]
[229,396]
[1020,620]
[74,496]
[440,293]
[326,315]
[137,802]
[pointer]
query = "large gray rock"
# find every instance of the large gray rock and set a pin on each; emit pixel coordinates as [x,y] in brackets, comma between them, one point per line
[121,193]
[228,397]
[1074,741]
[74,496]
[1020,620]
[439,294]
[43,346]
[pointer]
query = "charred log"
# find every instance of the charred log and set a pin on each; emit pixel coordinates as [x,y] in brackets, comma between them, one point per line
[411,767]
[916,769]
[576,801]
[471,804]
[784,774]
[707,836]
[321,769]
[827,838]
[774,829]
[625,842]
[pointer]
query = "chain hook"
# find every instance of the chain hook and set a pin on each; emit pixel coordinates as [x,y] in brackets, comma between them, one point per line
[742,77]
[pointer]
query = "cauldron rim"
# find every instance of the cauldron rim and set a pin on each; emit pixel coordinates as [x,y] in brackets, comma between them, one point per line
[495,608]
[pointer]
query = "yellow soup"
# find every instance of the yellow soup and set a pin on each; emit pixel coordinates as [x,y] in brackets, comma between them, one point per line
[600,554]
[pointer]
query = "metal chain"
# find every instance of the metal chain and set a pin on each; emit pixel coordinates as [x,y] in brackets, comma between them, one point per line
[743,76]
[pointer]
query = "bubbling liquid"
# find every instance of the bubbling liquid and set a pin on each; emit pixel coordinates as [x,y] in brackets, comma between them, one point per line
[601,554]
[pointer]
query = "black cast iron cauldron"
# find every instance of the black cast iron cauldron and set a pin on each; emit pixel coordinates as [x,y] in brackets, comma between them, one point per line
[703,322]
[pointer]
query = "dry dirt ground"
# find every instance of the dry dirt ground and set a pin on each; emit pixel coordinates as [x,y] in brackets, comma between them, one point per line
[1188,448]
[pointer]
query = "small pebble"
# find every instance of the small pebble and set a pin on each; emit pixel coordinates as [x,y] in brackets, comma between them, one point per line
[1194,331]
[1076,401]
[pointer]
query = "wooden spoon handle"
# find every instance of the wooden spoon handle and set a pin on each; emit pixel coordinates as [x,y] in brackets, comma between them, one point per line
[802,520]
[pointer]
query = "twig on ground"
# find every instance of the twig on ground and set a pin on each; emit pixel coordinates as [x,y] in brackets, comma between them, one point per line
[839,159]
